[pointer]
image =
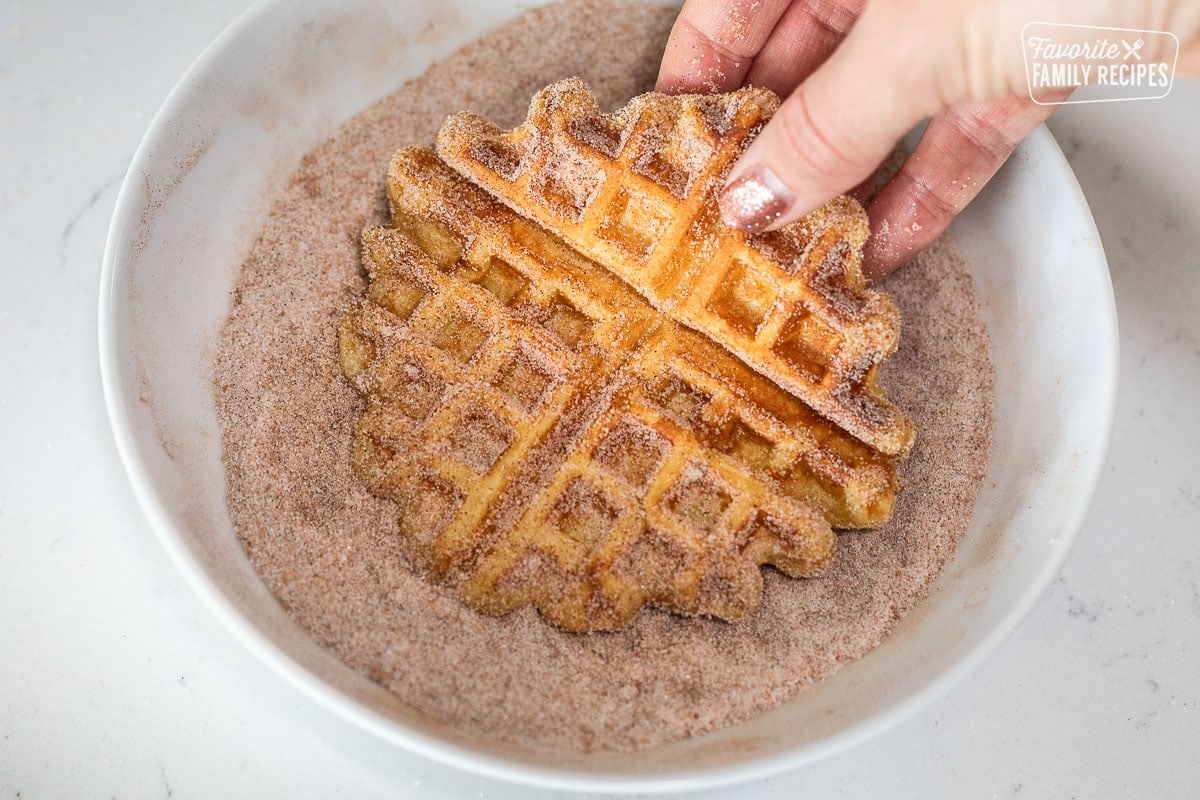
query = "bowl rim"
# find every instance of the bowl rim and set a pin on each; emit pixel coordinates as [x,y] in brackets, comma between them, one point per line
[491,766]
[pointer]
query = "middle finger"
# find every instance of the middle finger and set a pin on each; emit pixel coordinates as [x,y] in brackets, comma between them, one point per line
[805,35]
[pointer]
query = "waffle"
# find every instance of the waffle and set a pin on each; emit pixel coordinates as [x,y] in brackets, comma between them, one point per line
[551,439]
[635,191]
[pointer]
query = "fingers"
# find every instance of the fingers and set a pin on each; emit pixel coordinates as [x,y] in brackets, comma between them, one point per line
[961,149]
[1187,63]
[805,35]
[832,132]
[714,42]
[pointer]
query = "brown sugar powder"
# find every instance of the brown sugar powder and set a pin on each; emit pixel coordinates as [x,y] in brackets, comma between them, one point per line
[330,552]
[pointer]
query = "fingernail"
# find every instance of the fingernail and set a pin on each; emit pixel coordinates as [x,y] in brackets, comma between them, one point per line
[754,200]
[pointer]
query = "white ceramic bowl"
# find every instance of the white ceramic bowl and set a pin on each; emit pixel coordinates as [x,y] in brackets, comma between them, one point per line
[276,83]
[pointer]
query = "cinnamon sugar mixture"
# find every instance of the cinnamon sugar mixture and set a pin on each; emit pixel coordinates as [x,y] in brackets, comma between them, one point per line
[329,550]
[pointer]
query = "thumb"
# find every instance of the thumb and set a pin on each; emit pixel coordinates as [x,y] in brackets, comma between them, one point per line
[832,132]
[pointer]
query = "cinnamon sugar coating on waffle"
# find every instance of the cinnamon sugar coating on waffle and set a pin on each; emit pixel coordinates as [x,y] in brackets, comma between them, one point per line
[552,439]
[636,192]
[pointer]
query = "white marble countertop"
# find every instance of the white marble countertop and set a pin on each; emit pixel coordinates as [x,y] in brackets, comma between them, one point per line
[116,682]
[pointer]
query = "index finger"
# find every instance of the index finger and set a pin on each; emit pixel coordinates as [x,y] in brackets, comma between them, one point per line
[714,42]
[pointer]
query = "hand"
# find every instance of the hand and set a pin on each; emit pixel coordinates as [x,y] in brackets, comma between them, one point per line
[856,79]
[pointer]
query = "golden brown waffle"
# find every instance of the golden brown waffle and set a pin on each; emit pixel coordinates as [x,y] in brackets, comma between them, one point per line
[551,439]
[635,191]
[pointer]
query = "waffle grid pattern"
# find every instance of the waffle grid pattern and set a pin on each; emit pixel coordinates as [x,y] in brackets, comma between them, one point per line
[551,439]
[634,191]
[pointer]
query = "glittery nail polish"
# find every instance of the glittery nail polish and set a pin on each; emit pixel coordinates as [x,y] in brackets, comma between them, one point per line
[754,200]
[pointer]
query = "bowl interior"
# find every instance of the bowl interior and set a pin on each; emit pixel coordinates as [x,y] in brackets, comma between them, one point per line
[277,83]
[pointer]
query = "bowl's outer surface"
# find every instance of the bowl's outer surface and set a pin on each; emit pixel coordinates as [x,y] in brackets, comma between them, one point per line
[275,84]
